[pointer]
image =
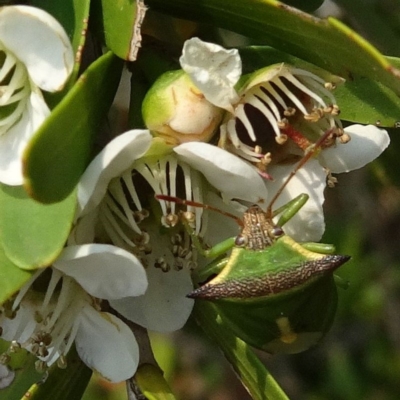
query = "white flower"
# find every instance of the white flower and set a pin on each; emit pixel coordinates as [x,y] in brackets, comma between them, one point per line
[214,70]
[68,309]
[116,198]
[281,108]
[37,55]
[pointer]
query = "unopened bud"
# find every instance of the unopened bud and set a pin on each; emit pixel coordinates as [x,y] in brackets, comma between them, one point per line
[177,111]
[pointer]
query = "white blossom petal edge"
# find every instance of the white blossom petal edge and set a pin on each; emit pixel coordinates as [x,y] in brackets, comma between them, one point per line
[366,144]
[112,161]
[38,41]
[225,171]
[166,292]
[107,345]
[38,55]
[104,271]
[214,70]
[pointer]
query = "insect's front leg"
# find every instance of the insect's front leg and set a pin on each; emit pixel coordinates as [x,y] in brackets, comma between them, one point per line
[290,209]
[216,251]
[201,275]
[321,248]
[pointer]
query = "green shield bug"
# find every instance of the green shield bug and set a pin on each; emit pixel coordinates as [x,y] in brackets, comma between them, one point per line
[272,292]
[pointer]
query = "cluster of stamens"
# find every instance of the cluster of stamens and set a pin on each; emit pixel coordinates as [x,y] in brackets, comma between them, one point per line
[48,329]
[292,98]
[14,89]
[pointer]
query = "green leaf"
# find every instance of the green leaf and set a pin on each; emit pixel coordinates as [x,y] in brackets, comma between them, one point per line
[305,5]
[12,278]
[360,99]
[366,101]
[120,33]
[33,234]
[64,384]
[380,27]
[25,376]
[61,148]
[326,43]
[253,374]
[152,383]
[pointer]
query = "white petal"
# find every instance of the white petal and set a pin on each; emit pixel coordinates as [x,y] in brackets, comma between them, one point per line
[107,345]
[366,144]
[111,162]
[225,171]
[6,376]
[104,271]
[38,41]
[164,307]
[308,224]
[23,325]
[13,142]
[214,70]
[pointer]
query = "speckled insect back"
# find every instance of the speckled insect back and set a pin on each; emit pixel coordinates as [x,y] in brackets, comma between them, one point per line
[284,263]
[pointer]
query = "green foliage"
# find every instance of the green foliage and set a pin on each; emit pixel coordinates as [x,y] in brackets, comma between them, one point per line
[122,14]
[69,132]
[326,43]
[64,384]
[12,278]
[33,234]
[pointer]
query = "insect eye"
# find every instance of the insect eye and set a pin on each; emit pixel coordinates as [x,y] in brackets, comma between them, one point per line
[277,231]
[241,240]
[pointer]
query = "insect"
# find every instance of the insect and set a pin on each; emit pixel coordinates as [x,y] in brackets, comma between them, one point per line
[274,293]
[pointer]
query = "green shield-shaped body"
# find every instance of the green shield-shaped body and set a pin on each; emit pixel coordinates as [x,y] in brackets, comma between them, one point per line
[281,299]
[278,268]
[289,322]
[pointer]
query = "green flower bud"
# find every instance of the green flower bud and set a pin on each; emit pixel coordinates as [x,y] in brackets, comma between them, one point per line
[177,111]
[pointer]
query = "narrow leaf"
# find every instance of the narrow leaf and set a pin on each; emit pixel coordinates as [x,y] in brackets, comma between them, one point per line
[25,380]
[122,21]
[326,43]
[60,150]
[152,383]
[305,5]
[253,374]
[64,384]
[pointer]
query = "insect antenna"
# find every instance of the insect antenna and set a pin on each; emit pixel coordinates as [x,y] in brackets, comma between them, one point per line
[306,157]
[177,200]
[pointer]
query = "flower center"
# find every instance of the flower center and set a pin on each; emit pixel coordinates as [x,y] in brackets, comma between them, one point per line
[131,221]
[45,325]
[294,104]
[14,89]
